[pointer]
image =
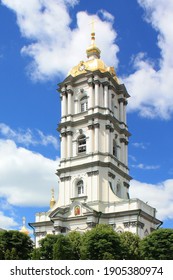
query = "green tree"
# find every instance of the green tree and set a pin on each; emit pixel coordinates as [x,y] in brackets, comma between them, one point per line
[130,246]
[158,245]
[62,250]
[100,243]
[46,246]
[7,255]
[14,254]
[18,244]
[36,255]
[76,241]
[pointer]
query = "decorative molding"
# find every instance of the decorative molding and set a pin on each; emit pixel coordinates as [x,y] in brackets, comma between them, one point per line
[134,224]
[70,91]
[96,125]
[123,140]
[69,133]
[91,173]
[91,224]
[40,233]
[126,184]
[109,127]
[110,174]
[90,126]
[67,178]
[60,229]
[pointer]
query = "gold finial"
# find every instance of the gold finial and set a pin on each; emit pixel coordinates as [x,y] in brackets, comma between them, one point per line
[52,201]
[93,51]
[93,31]
[24,229]
[24,221]
[52,190]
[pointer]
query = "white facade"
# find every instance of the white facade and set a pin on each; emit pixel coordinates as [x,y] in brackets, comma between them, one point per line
[93,172]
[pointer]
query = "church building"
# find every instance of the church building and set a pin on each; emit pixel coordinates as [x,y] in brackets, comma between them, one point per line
[93,172]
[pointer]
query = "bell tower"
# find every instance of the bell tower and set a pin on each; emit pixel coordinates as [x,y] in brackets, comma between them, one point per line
[93,171]
[94,135]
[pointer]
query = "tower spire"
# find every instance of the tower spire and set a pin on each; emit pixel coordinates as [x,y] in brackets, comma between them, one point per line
[93,51]
[93,32]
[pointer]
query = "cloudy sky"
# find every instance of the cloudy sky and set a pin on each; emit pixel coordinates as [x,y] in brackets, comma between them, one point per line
[40,41]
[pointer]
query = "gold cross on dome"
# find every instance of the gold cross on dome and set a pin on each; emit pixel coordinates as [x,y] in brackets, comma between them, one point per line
[52,191]
[24,221]
[93,21]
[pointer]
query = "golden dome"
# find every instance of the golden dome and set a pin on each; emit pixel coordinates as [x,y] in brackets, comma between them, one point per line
[93,63]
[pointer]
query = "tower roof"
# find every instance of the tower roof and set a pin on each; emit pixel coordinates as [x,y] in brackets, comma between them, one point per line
[94,62]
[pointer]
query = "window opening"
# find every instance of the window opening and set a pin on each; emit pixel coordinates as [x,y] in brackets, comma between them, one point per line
[84,104]
[82,144]
[80,188]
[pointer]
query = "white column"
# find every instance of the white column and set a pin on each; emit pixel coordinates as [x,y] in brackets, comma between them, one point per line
[90,98]
[90,144]
[101,96]
[64,105]
[122,152]
[121,111]
[96,93]
[107,140]
[69,144]
[96,137]
[63,146]
[76,106]
[126,153]
[106,101]
[69,103]
[125,117]
[110,99]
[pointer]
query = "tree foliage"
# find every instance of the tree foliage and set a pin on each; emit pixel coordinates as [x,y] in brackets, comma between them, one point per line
[76,243]
[15,245]
[130,246]
[46,246]
[62,249]
[100,243]
[158,245]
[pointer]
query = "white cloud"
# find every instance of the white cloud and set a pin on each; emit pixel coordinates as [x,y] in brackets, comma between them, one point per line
[140,145]
[158,195]
[6,222]
[145,167]
[151,86]
[54,46]
[28,137]
[26,177]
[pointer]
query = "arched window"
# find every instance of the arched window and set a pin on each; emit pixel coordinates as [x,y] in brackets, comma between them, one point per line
[82,144]
[84,104]
[80,188]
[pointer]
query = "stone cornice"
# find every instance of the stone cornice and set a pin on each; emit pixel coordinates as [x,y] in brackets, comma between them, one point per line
[96,163]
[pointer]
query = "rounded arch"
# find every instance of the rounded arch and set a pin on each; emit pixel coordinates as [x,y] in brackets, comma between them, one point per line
[119,230]
[78,187]
[84,104]
[82,100]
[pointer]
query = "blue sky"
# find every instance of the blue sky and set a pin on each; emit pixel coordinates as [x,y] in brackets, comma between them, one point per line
[39,43]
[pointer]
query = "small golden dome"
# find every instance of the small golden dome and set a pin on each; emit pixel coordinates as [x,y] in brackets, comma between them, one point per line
[93,63]
[24,229]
